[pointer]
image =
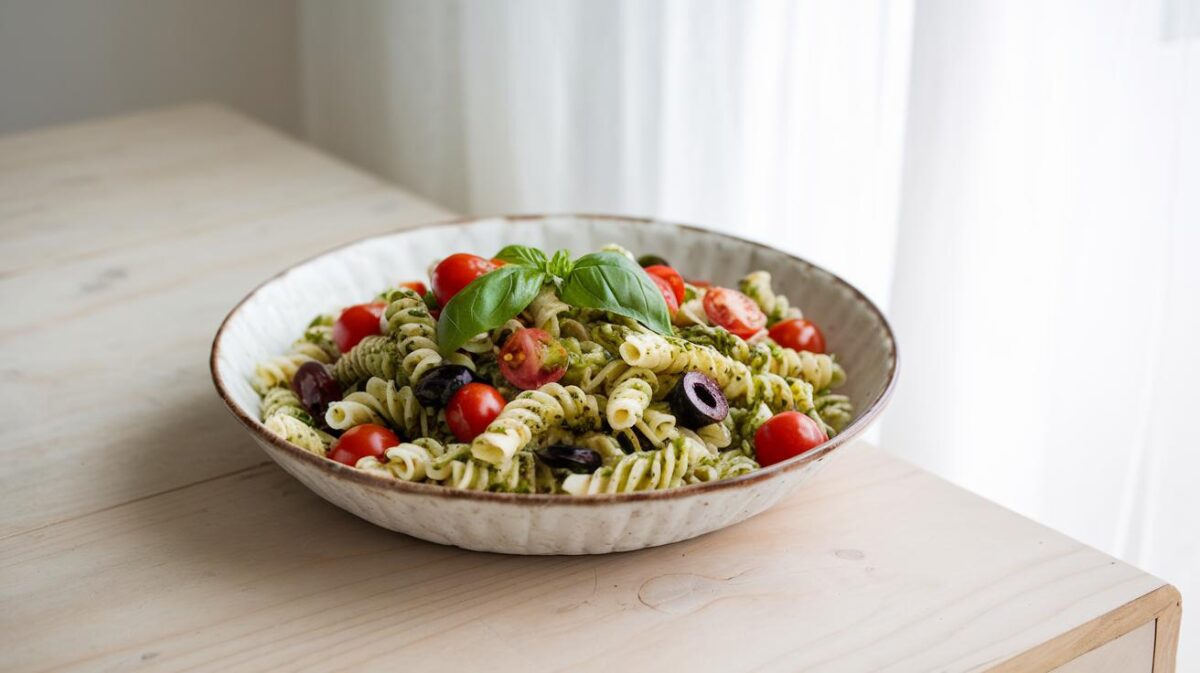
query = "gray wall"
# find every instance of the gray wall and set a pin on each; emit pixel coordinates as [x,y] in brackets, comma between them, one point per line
[66,60]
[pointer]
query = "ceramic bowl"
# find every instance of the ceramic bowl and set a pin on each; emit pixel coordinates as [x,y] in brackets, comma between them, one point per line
[268,320]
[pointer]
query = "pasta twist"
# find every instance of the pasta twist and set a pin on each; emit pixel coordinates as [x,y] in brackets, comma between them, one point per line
[282,401]
[628,402]
[757,286]
[545,309]
[835,411]
[456,468]
[299,433]
[373,356]
[818,369]
[532,413]
[672,355]
[383,402]
[407,320]
[779,393]
[405,461]
[641,471]
[279,370]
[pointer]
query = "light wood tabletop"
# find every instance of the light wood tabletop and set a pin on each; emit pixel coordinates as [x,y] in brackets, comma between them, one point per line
[142,528]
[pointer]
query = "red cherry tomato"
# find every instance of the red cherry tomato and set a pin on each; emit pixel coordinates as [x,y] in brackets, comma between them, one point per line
[798,334]
[362,441]
[456,272]
[531,358]
[497,262]
[667,293]
[472,409]
[357,322]
[734,311]
[784,435]
[672,277]
[416,286]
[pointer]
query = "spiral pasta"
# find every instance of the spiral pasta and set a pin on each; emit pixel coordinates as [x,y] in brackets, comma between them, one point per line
[641,471]
[531,414]
[628,402]
[373,356]
[546,309]
[383,403]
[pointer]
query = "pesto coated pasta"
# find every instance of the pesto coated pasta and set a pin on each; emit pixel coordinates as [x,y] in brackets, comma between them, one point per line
[531,373]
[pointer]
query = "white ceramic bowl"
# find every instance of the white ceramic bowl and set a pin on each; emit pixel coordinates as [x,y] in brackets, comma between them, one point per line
[268,320]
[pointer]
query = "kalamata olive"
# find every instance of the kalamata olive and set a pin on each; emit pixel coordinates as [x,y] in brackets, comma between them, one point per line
[652,260]
[316,389]
[573,458]
[439,384]
[697,401]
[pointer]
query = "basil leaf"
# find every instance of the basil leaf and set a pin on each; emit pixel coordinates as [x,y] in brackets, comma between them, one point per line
[488,302]
[523,255]
[609,281]
[560,264]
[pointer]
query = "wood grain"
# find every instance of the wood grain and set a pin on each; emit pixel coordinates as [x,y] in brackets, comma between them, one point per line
[142,529]
[126,241]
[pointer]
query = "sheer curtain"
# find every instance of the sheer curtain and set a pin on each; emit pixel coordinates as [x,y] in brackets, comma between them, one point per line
[1018,184]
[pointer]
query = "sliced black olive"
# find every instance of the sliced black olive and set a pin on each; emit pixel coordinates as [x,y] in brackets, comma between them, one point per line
[573,458]
[316,388]
[439,384]
[697,401]
[652,260]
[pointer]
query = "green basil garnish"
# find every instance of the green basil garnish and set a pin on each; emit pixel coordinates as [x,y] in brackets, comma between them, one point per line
[523,255]
[560,264]
[607,281]
[612,282]
[487,303]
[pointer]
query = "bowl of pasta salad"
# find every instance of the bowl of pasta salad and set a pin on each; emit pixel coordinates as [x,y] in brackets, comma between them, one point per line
[568,384]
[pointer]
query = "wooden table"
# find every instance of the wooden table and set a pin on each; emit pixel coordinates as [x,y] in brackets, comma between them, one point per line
[143,529]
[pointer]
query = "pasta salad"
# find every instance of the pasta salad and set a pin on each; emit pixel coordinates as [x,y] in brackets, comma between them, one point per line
[530,373]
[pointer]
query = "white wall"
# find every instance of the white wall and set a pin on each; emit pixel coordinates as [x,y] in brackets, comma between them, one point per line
[63,60]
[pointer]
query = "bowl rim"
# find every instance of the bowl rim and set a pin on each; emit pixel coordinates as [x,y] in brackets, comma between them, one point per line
[336,470]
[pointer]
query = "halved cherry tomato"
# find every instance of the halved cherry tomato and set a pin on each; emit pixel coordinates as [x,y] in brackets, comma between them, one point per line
[362,441]
[667,293]
[416,286]
[798,334]
[531,358]
[356,323]
[672,277]
[734,311]
[784,435]
[456,272]
[472,409]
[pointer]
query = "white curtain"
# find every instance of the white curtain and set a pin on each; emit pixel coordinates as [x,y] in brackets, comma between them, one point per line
[1018,183]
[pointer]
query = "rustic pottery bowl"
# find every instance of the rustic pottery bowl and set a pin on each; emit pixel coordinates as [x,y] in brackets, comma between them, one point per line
[269,319]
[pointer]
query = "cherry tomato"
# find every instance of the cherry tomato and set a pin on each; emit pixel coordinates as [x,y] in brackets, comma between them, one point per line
[672,277]
[734,311]
[362,441]
[456,272]
[355,323]
[416,286]
[497,262]
[798,334]
[531,358]
[667,293]
[472,409]
[784,435]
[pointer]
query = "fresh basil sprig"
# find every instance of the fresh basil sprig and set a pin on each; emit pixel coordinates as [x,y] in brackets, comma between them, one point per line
[603,280]
[609,281]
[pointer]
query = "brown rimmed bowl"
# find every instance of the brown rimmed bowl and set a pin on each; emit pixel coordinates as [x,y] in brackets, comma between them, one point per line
[269,319]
